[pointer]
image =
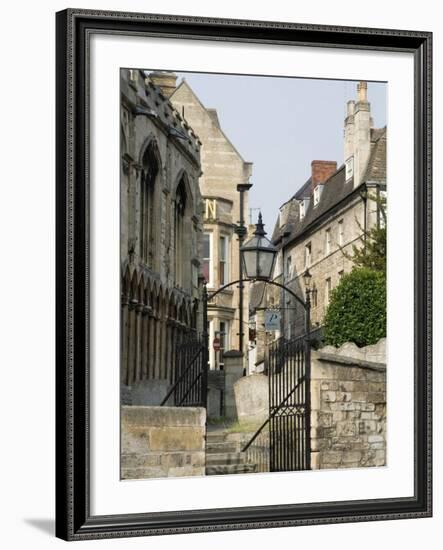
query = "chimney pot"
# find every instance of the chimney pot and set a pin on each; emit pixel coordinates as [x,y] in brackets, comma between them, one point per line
[362,90]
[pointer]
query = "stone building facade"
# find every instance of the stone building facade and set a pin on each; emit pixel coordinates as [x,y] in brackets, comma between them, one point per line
[223,168]
[331,212]
[161,229]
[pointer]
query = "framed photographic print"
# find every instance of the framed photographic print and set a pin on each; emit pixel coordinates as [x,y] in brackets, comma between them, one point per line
[243,274]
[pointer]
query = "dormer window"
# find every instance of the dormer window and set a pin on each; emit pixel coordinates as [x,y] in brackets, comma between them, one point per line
[349,169]
[318,190]
[303,207]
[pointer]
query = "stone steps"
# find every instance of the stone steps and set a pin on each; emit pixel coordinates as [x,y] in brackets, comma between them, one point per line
[215,437]
[216,459]
[222,447]
[225,469]
[223,457]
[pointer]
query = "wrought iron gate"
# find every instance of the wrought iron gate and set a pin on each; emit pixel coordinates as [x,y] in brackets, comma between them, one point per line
[289,405]
[190,382]
[282,443]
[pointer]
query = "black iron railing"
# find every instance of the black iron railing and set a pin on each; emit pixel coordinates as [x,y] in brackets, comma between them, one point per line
[189,388]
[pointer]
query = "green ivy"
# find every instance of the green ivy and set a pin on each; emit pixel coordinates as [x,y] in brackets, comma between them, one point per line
[357,310]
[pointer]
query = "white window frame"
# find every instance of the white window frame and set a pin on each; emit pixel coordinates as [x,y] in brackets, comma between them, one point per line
[211,257]
[227,323]
[288,267]
[211,348]
[328,241]
[227,247]
[328,290]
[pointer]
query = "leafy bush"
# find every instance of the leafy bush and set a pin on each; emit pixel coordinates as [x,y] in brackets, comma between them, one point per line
[357,310]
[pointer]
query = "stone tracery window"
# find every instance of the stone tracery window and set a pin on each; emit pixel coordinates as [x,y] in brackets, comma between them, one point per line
[148,192]
[179,231]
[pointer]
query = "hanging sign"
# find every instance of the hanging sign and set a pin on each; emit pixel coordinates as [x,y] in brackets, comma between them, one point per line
[272,319]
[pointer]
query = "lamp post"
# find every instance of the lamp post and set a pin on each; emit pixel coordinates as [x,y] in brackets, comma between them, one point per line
[258,254]
[257,258]
[241,231]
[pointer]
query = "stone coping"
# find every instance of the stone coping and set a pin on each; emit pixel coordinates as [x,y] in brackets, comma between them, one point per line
[163,416]
[351,361]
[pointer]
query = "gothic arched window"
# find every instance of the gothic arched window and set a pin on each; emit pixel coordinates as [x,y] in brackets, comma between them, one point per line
[150,172]
[179,232]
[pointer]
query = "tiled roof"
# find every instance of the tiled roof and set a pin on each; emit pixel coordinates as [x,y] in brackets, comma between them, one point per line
[376,169]
[334,191]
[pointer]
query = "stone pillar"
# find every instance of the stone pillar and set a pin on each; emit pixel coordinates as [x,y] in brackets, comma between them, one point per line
[145,342]
[151,345]
[131,342]
[233,361]
[137,342]
[124,341]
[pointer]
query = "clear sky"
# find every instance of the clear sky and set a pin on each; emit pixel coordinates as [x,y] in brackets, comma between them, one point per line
[281,125]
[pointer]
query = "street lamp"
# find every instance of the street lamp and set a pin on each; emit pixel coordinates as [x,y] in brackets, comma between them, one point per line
[258,254]
[307,277]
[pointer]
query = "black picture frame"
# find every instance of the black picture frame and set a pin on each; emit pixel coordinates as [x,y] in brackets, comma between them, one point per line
[74,27]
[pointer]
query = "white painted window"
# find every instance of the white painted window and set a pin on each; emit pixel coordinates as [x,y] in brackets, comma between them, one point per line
[328,241]
[308,255]
[349,169]
[288,267]
[314,295]
[224,336]
[223,260]
[328,289]
[212,353]
[317,193]
[302,209]
[207,267]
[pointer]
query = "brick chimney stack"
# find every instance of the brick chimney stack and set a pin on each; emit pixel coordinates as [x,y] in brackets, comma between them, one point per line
[321,170]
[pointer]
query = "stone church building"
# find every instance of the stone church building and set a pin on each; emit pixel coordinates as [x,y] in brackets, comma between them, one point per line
[317,227]
[161,230]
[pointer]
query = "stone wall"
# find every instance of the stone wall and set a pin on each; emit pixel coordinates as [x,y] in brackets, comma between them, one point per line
[162,442]
[252,398]
[233,370]
[216,388]
[348,398]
